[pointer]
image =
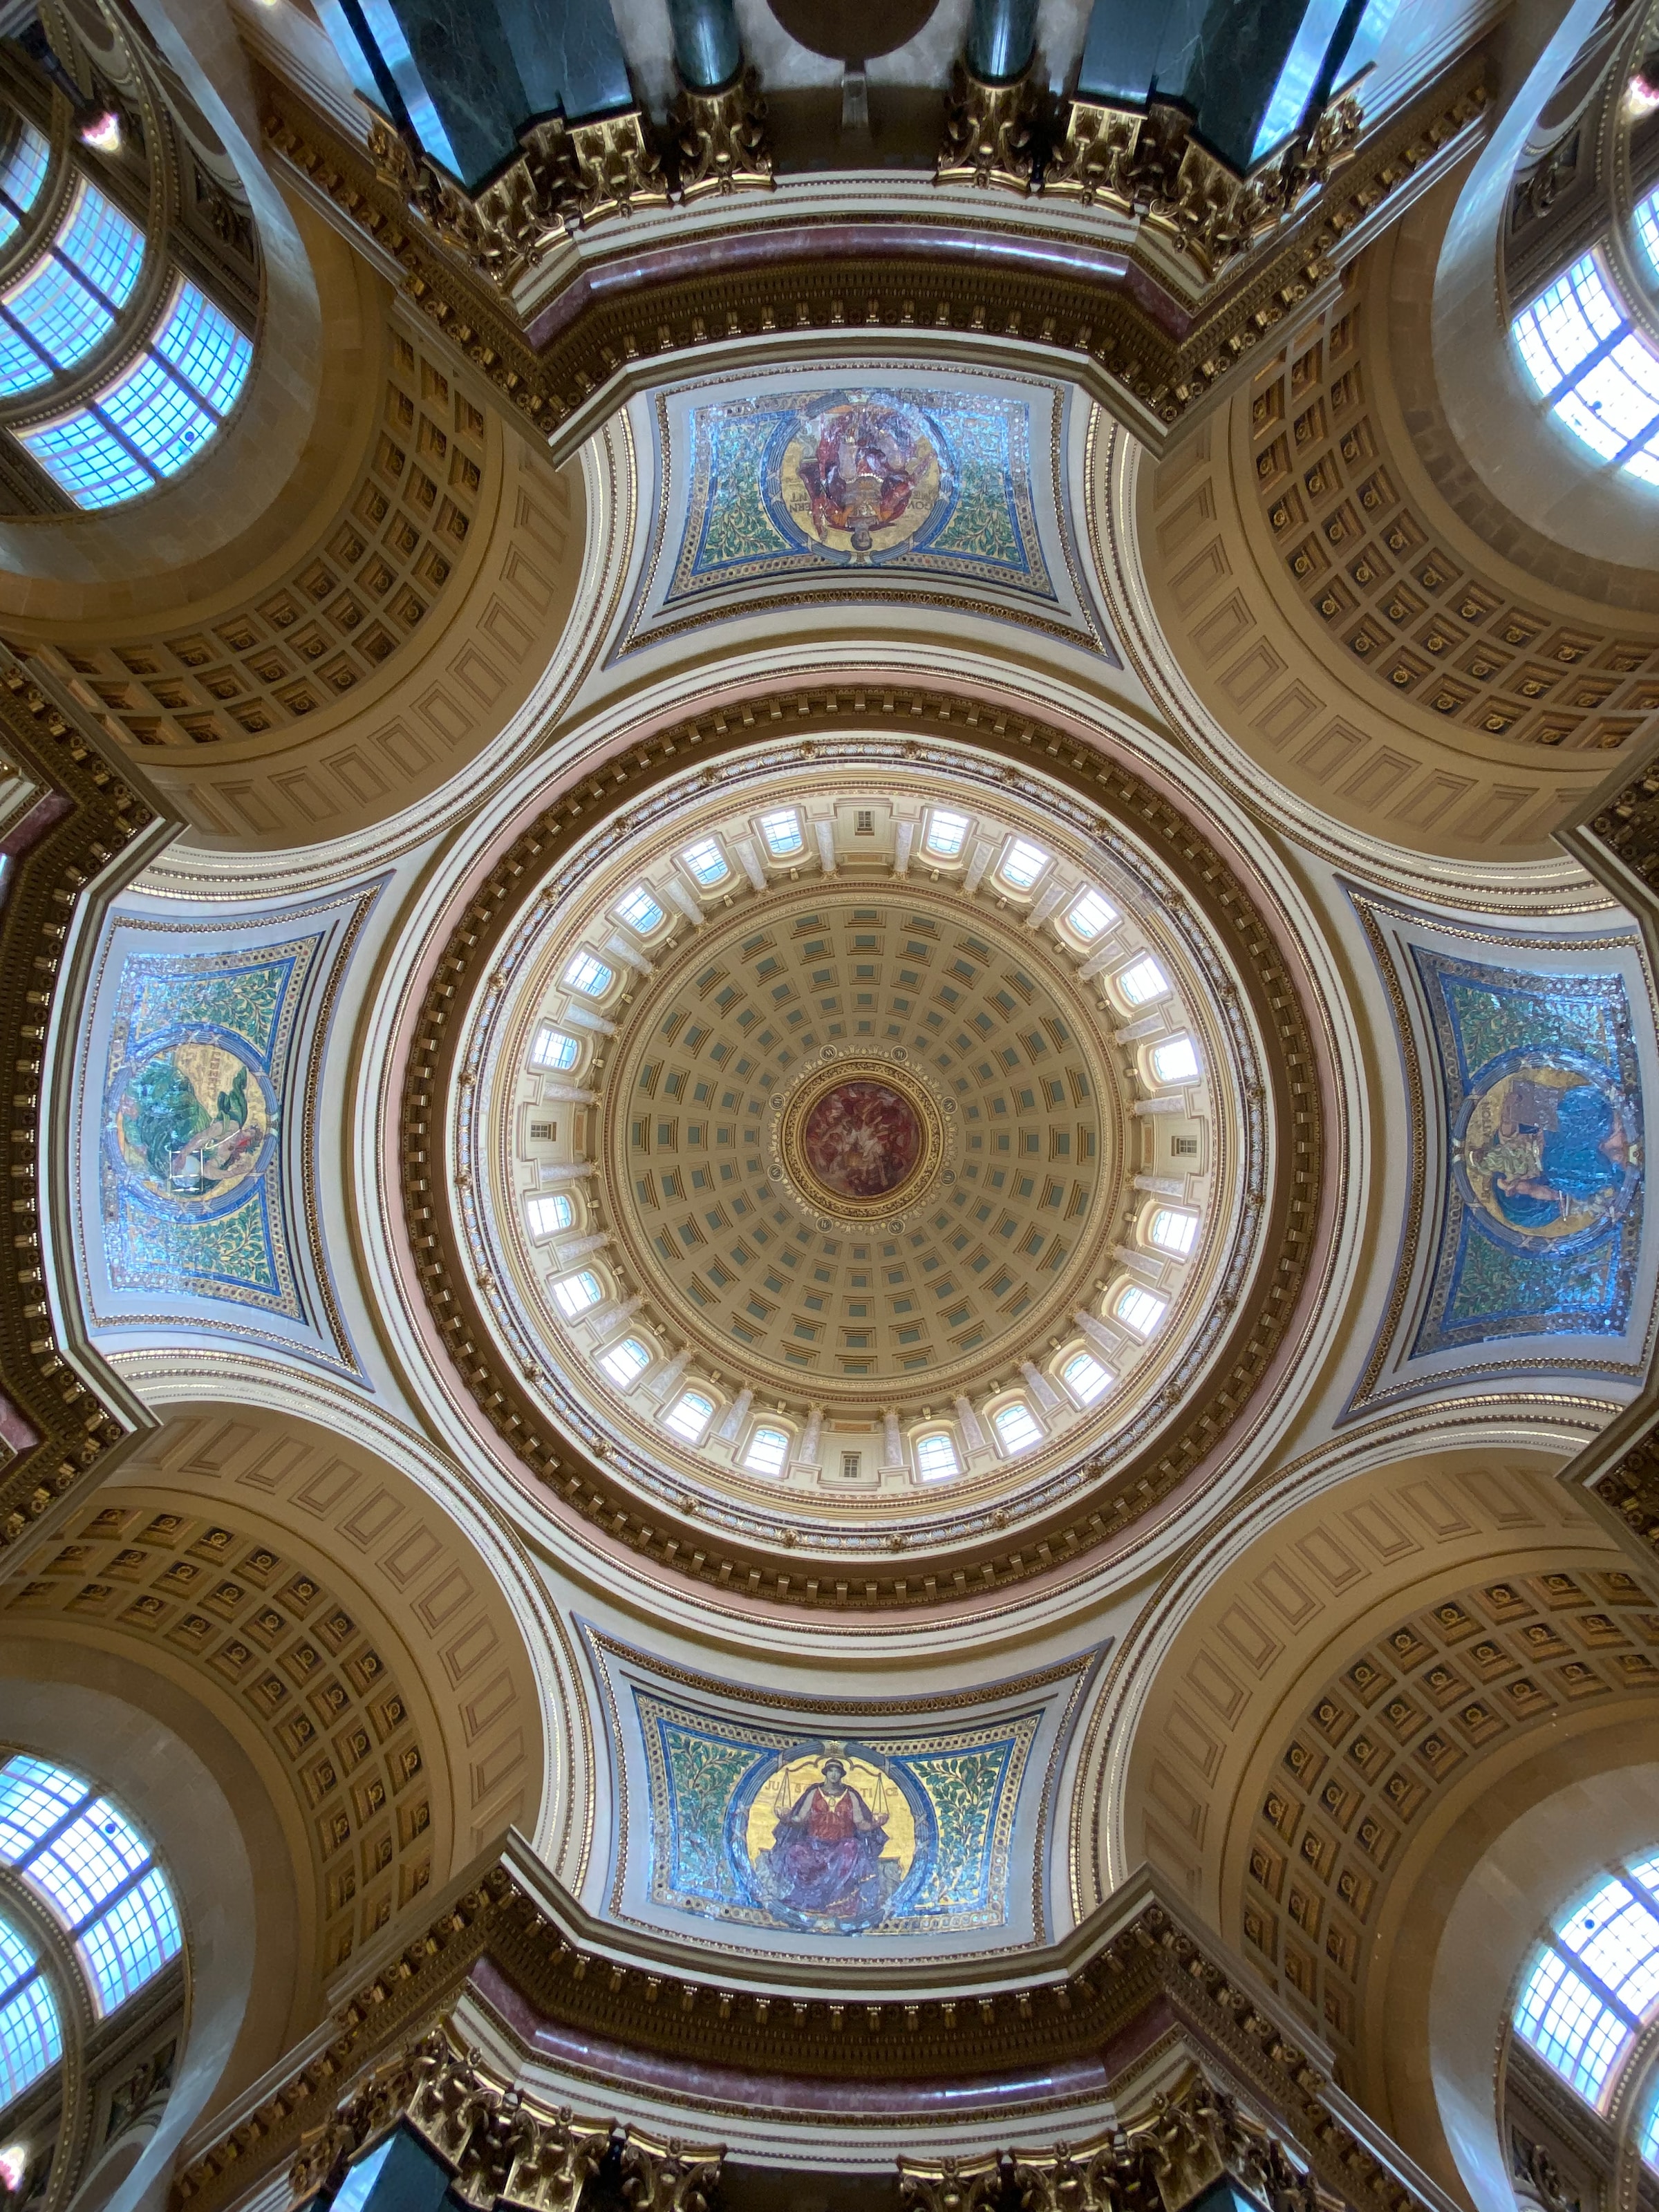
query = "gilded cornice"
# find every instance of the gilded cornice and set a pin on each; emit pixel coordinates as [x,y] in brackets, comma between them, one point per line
[1102,1507]
[88,826]
[1137,1977]
[1118,315]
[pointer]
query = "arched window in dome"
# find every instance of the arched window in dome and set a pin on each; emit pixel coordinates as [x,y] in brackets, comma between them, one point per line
[1599,374]
[1596,1981]
[1017,1428]
[626,1362]
[782,832]
[1089,914]
[547,1215]
[1172,1228]
[1648,2142]
[947,833]
[73,307]
[553,1049]
[586,973]
[768,1449]
[641,911]
[31,2033]
[1175,1061]
[1141,1311]
[576,1293]
[936,1456]
[707,864]
[1086,1378]
[1022,864]
[94,1871]
[689,1416]
[1143,980]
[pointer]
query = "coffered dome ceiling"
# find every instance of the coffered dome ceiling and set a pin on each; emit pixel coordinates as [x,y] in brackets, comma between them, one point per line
[865,1145]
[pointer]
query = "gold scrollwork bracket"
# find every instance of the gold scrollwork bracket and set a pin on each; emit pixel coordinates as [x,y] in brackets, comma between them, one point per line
[988,133]
[721,139]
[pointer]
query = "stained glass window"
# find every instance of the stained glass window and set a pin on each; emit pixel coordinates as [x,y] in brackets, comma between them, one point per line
[95,1870]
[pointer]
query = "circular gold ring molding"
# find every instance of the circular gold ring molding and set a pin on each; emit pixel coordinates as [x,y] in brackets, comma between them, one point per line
[792,1109]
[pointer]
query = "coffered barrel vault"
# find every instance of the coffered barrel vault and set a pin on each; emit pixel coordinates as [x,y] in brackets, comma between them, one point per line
[829,966]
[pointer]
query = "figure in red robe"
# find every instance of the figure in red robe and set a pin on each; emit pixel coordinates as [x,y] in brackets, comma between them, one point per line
[825,1858]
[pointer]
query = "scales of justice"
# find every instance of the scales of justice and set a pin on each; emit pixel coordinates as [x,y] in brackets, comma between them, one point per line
[831,1837]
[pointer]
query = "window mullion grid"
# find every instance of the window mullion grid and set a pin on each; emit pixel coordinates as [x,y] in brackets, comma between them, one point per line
[45,1842]
[1588,1975]
[108,1904]
[9,1990]
[186,386]
[123,441]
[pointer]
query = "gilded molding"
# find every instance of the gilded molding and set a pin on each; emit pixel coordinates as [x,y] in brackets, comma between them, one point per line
[1161,2161]
[1147,163]
[89,818]
[1137,1963]
[1123,328]
[720,139]
[1097,1514]
[988,133]
[497,2142]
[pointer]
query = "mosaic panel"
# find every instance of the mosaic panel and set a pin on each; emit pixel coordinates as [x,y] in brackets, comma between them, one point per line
[904,1832]
[200,1053]
[1541,1229]
[861,477]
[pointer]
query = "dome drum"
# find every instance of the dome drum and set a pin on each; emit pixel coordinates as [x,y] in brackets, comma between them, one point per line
[831,1173]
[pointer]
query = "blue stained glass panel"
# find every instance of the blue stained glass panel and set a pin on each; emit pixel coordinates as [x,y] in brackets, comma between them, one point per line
[206,347]
[65,319]
[155,412]
[87,460]
[103,244]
